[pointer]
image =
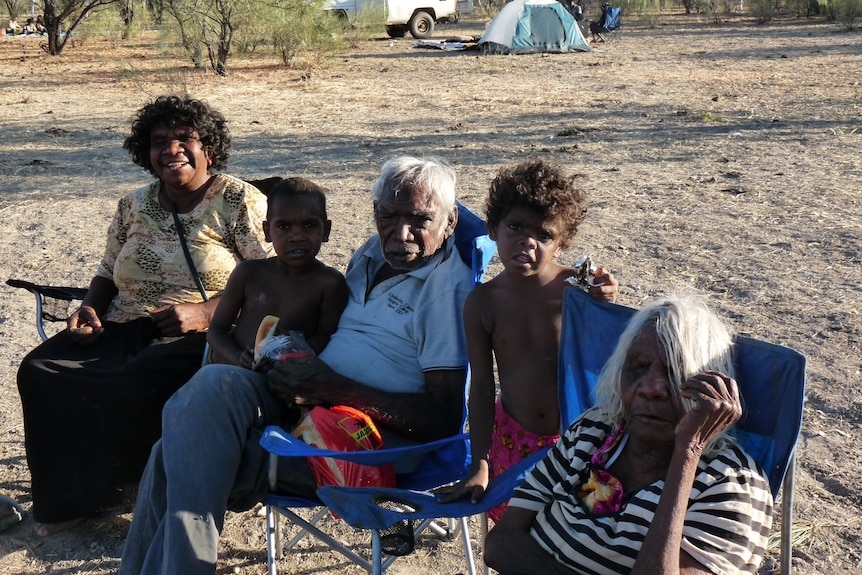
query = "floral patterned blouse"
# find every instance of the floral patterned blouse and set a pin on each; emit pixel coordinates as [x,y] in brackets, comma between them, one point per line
[145,260]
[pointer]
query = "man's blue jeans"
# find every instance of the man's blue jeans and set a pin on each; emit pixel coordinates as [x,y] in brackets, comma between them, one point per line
[207,461]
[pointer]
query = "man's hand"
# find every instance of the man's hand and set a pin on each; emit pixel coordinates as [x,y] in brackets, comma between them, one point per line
[84,325]
[246,359]
[605,286]
[299,380]
[180,319]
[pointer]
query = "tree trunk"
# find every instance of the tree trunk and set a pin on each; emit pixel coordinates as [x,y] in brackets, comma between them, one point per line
[127,11]
[225,39]
[52,25]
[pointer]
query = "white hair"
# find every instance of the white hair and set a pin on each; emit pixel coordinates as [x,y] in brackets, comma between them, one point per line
[429,174]
[695,340]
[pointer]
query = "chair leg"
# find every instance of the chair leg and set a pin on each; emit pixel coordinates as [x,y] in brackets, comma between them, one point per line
[303,532]
[787,517]
[483,533]
[310,528]
[278,546]
[376,553]
[273,543]
[468,548]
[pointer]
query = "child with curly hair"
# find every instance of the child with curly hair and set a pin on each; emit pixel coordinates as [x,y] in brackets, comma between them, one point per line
[533,212]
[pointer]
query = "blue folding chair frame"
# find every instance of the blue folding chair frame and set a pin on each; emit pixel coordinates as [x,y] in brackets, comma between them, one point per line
[612,24]
[444,461]
[771,381]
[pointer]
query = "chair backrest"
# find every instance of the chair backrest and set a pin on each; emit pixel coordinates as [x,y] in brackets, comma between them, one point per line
[771,380]
[473,243]
[612,20]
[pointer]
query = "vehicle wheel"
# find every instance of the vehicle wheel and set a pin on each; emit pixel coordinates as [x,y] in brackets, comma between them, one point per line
[421,25]
[396,31]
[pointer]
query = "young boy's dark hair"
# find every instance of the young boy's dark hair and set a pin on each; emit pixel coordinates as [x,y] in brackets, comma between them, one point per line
[541,186]
[294,187]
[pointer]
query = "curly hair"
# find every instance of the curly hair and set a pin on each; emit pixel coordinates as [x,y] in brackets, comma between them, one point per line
[541,186]
[172,111]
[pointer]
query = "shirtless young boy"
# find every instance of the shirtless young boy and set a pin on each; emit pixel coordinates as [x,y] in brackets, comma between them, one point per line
[533,212]
[306,295]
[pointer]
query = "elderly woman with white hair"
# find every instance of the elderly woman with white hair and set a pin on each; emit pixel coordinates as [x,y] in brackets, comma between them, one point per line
[650,480]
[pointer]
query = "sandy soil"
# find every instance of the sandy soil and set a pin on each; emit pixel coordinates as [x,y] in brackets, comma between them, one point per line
[722,159]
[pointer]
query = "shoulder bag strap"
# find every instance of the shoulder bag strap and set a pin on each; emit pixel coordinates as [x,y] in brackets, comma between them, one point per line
[185,247]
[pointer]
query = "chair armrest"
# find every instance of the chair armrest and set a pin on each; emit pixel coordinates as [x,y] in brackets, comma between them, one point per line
[280,442]
[45,296]
[380,508]
[56,292]
[438,462]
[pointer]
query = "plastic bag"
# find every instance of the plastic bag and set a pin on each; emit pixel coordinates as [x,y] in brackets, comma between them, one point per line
[269,346]
[343,428]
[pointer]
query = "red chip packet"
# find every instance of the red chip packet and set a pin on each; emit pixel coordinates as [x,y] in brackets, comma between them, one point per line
[343,428]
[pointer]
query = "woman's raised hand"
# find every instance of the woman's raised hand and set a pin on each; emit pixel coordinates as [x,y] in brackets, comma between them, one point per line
[717,407]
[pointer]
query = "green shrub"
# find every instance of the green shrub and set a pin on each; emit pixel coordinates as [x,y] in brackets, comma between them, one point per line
[716,9]
[846,12]
[764,10]
[109,21]
[648,11]
[16,9]
[369,23]
[304,34]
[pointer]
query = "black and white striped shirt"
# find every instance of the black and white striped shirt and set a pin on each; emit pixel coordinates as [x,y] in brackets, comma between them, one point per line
[726,526]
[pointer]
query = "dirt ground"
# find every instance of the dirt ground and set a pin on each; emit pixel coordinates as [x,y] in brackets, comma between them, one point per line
[722,159]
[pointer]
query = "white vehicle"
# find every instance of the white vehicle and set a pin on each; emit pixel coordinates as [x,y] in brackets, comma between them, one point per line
[416,16]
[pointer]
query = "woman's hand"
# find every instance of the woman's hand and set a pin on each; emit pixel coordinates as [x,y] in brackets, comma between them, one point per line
[183,318]
[717,407]
[474,486]
[84,325]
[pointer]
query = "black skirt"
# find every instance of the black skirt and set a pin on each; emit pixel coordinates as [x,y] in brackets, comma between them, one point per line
[92,413]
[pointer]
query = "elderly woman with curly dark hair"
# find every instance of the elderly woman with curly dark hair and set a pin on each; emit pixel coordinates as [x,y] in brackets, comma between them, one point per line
[92,395]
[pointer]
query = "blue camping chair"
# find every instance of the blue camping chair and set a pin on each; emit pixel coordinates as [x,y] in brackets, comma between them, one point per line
[771,381]
[444,461]
[611,26]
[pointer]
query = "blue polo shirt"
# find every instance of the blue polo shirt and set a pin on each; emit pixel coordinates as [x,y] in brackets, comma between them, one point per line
[390,335]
